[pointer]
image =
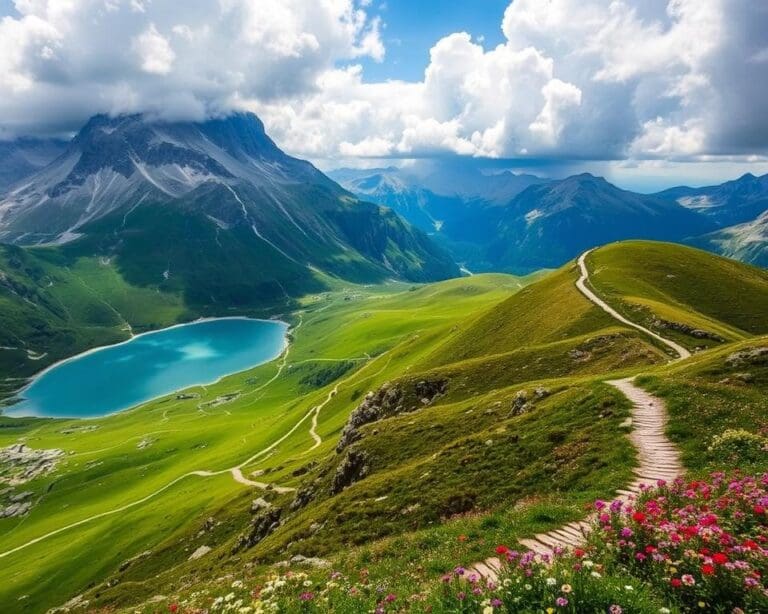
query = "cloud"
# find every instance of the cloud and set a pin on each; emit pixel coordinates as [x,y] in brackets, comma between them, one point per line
[63,61]
[559,98]
[155,51]
[572,80]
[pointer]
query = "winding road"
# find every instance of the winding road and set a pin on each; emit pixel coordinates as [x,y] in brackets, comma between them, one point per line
[658,458]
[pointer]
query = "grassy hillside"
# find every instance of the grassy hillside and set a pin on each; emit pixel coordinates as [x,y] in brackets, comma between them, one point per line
[106,468]
[718,404]
[678,290]
[548,311]
[481,417]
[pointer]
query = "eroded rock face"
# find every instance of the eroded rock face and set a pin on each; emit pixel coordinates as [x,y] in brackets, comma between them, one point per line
[15,510]
[305,495]
[752,356]
[264,523]
[18,465]
[389,400]
[352,469]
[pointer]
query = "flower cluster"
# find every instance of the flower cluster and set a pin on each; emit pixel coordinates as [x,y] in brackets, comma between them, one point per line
[698,546]
[700,542]
[686,546]
[297,591]
[567,581]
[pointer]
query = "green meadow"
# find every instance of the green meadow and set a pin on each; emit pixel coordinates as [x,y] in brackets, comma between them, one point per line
[522,436]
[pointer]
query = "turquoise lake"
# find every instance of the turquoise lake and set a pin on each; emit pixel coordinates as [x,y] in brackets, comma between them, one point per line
[117,377]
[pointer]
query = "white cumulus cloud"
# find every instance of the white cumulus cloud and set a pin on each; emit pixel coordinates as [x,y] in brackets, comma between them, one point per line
[572,79]
[154,51]
[61,61]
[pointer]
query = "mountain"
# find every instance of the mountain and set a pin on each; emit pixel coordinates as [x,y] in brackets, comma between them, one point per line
[459,207]
[747,242]
[214,209]
[727,204]
[21,158]
[520,223]
[546,225]
[739,208]
[733,202]
[444,179]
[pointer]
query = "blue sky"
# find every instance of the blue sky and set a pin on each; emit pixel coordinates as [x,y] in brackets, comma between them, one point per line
[412,27]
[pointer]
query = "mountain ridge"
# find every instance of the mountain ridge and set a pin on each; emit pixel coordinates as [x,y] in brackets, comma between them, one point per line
[547,222]
[223,179]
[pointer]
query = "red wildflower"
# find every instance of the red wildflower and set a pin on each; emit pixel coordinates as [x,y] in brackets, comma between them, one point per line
[690,531]
[639,517]
[759,509]
[750,545]
[502,550]
[707,569]
[578,553]
[174,607]
[676,582]
[719,558]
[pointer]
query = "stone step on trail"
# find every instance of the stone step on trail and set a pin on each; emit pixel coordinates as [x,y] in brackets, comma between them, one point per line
[658,460]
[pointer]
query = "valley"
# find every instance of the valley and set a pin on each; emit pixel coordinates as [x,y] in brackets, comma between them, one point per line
[491,379]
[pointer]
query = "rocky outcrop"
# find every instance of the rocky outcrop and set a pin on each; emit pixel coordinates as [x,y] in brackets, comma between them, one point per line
[259,504]
[139,557]
[15,510]
[390,400]
[352,469]
[199,553]
[524,401]
[20,463]
[751,356]
[304,496]
[76,604]
[696,333]
[375,405]
[264,523]
[310,561]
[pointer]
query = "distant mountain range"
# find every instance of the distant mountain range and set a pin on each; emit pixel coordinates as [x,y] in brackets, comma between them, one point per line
[214,209]
[217,211]
[23,157]
[520,223]
[727,204]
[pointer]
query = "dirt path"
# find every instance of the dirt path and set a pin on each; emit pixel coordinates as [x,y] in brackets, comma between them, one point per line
[581,284]
[658,458]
